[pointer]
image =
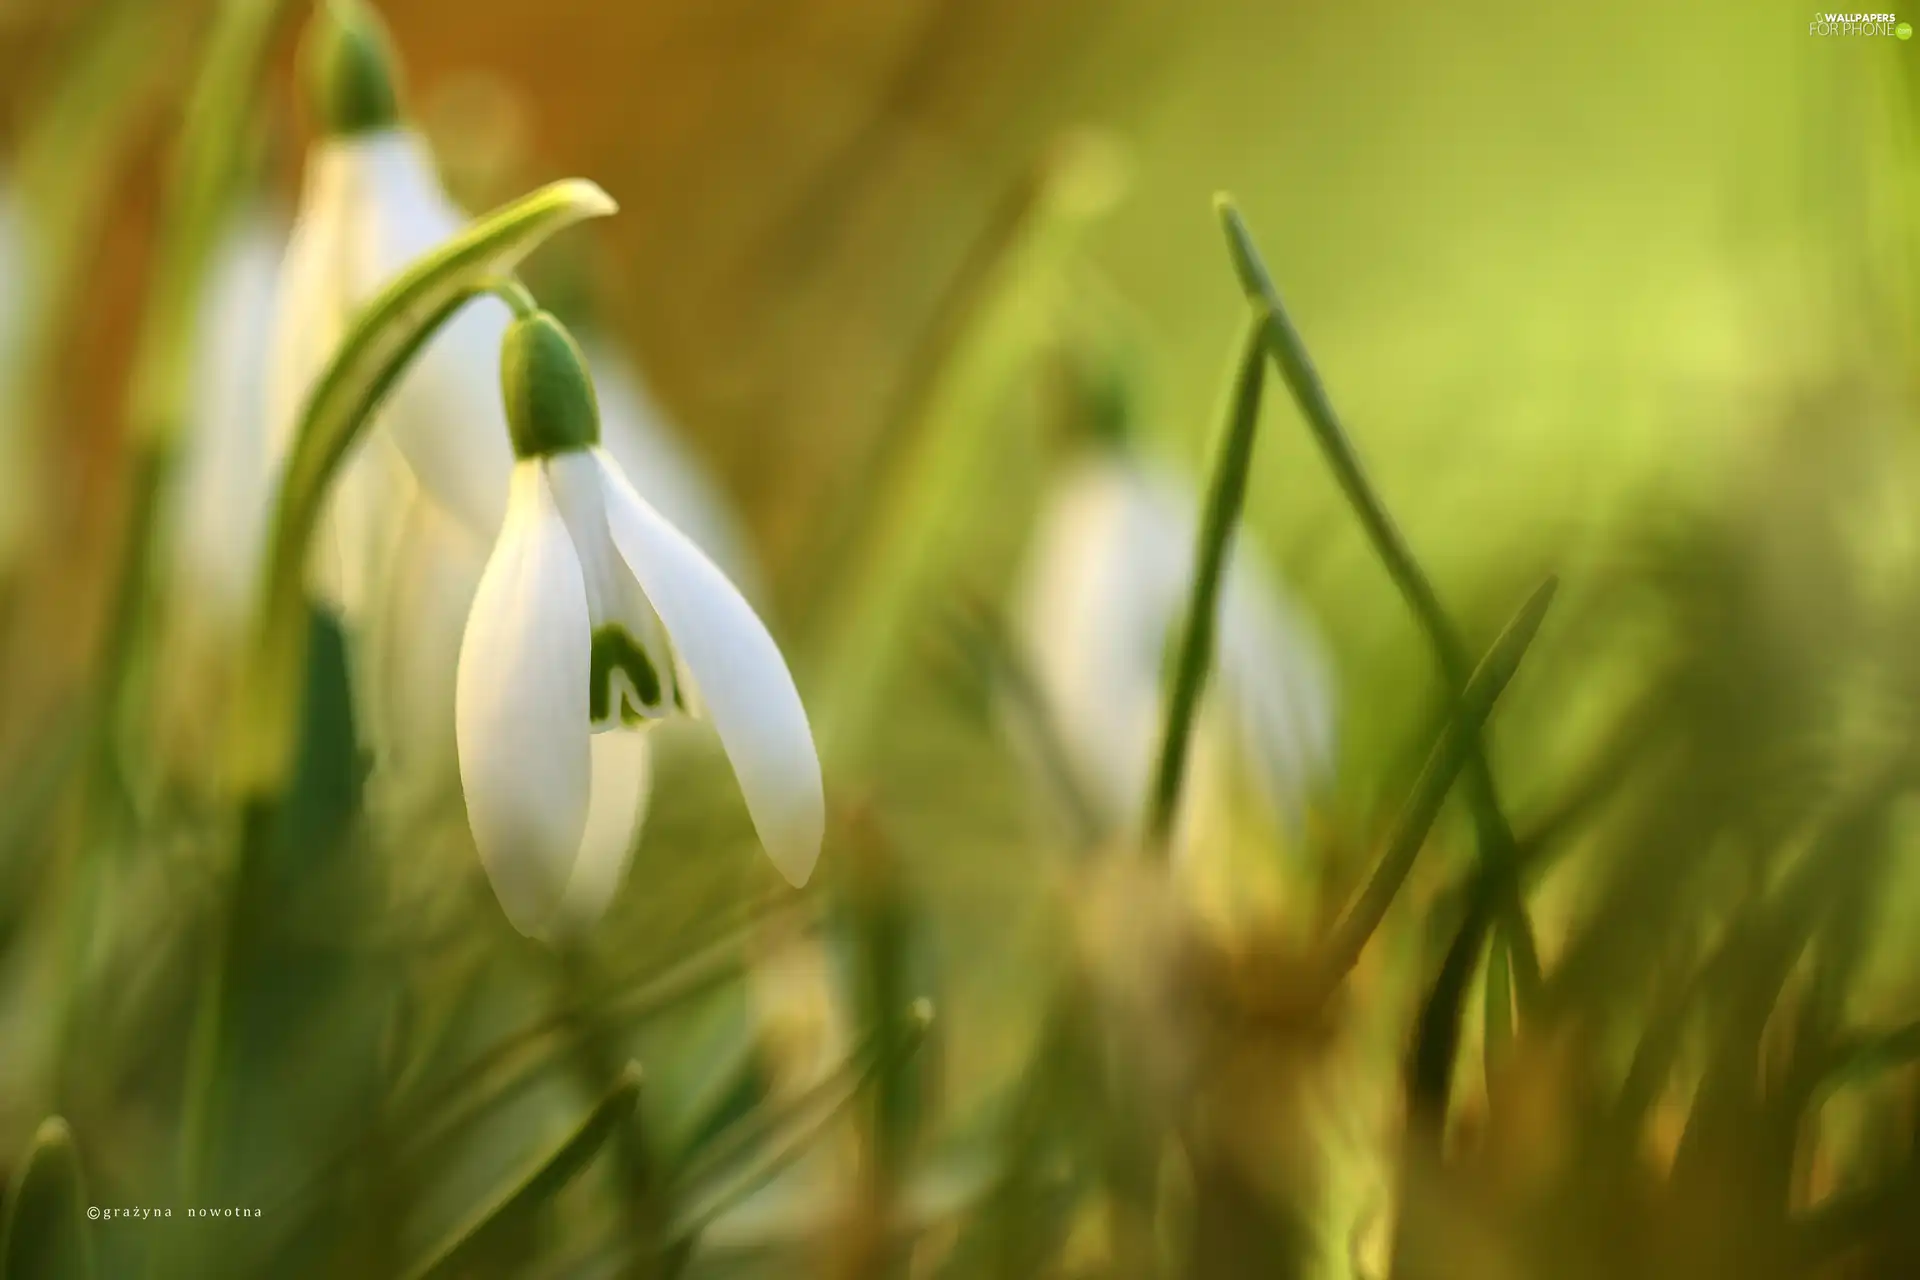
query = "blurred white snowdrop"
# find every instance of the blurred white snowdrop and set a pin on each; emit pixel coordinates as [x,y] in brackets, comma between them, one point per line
[1103,596]
[594,618]
[220,490]
[15,286]
[418,502]
[222,483]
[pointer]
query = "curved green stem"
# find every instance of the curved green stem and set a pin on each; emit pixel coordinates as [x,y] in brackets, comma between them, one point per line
[516,295]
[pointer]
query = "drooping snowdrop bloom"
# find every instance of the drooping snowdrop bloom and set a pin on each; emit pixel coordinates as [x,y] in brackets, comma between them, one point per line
[416,511]
[1104,595]
[595,617]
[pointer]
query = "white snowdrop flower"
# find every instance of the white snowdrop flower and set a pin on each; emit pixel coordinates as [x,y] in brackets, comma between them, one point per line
[1104,595]
[595,617]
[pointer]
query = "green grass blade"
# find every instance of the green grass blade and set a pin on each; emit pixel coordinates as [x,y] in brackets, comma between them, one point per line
[1226,499]
[1499,1011]
[750,1153]
[1289,352]
[45,1236]
[469,1243]
[1449,755]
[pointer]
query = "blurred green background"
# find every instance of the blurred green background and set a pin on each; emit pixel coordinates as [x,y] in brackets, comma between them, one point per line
[1624,292]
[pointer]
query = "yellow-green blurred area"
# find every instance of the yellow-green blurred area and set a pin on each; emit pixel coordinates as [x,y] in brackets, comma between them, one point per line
[1625,293]
[1542,254]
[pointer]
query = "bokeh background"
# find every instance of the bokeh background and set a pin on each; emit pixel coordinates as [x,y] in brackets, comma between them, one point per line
[1625,292]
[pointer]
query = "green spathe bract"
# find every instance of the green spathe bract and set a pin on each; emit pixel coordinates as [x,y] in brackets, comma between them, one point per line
[549,397]
[370,359]
[351,70]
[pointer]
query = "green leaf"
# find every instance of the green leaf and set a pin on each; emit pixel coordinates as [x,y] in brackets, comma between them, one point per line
[390,331]
[46,1237]
[1458,740]
[470,1242]
[1226,498]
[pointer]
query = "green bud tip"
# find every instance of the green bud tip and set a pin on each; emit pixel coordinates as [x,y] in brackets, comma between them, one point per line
[351,69]
[549,397]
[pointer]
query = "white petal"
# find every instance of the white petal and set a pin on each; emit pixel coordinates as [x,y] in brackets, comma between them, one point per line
[414,652]
[622,780]
[614,598]
[521,708]
[742,679]
[314,301]
[445,414]
[1105,579]
[1277,682]
[372,204]
[361,527]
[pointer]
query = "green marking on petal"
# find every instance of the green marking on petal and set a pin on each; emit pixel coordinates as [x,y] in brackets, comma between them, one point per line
[615,650]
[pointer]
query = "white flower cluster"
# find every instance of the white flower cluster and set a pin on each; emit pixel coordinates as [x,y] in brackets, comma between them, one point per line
[491,600]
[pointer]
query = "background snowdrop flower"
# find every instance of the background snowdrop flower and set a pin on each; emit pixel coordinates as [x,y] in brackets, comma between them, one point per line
[1105,589]
[594,617]
[220,493]
[14,302]
[419,503]
[222,486]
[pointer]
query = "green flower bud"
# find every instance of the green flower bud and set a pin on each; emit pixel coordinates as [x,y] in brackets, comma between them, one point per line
[351,69]
[551,407]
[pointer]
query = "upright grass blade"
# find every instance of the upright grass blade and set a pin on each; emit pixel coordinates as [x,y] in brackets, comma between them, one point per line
[1499,1007]
[45,1236]
[461,1253]
[1296,368]
[1450,754]
[1226,498]
[374,354]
